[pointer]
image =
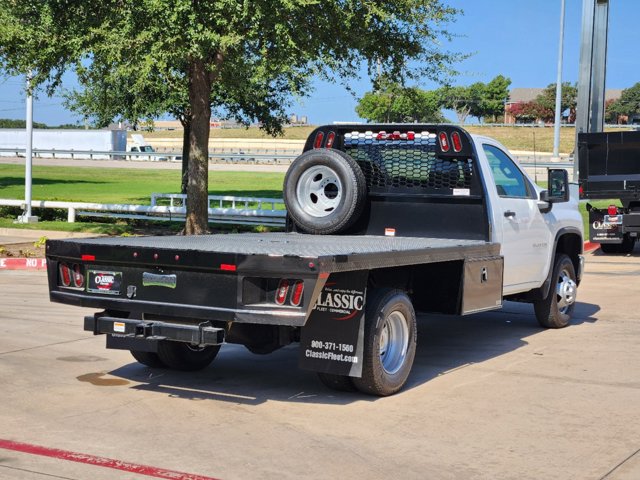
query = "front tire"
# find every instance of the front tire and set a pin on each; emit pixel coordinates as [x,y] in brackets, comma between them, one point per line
[186,357]
[389,342]
[555,310]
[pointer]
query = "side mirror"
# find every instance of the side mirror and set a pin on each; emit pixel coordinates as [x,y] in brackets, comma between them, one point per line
[557,186]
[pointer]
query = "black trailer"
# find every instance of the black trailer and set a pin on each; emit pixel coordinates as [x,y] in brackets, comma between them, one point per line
[610,169]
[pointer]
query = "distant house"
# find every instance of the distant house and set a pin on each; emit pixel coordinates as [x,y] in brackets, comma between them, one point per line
[524,95]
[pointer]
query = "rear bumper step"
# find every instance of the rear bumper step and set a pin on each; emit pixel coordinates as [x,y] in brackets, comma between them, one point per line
[133,334]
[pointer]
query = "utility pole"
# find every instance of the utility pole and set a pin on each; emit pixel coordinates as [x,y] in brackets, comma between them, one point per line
[26,216]
[558,119]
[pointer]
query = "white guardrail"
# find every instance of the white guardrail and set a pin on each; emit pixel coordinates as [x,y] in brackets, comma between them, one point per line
[224,157]
[222,209]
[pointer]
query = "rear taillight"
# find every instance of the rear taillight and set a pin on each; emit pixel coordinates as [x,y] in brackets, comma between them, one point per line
[457,141]
[330,139]
[296,295]
[78,276]
[65,275]
[282,291]
[444,141]
[71,275]
[612,210]
[318,141]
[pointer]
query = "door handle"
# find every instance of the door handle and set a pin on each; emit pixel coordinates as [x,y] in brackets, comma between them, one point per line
[509,214]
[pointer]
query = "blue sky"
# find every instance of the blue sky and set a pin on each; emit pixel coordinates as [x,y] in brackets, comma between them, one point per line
[515,38]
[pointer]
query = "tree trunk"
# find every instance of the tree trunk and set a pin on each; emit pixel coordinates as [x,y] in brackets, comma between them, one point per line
[200,80]
[186,124]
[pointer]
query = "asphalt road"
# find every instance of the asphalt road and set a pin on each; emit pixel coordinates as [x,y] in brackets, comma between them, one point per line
[491,396]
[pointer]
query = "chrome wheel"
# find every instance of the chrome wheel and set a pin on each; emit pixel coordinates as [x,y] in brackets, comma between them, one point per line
[319,191]
[394,341]
[565,292]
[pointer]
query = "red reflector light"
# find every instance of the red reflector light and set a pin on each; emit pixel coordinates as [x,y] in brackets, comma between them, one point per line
[78,276]
[65,275]
[296,296]
[330,139]
[457,141]
[318,141]
[444,141]
[281,292]
[581,190]
[612,210]
[227,267]
[88,258]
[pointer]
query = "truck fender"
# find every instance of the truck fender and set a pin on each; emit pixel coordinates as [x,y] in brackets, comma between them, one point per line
[544,289]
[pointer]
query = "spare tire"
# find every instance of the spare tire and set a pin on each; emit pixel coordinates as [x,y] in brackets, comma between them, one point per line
[324,191]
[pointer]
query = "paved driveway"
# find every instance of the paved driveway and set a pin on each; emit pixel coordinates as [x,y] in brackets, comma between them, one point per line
[491,396]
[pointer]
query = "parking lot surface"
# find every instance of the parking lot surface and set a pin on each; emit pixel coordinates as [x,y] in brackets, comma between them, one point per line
[491,396]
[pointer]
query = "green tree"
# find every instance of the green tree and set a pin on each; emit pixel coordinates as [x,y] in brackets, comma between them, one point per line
[458,99]
[568,101]
[243,60]
[495,95]
[629,102]
[393,103]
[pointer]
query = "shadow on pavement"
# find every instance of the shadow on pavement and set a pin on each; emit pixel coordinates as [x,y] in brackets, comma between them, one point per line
[445,343]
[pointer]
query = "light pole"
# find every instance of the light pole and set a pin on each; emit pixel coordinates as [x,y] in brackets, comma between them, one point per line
[558,119]
[26,217]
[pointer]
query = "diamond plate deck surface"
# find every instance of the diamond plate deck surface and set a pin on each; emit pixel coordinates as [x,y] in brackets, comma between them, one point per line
[280,244]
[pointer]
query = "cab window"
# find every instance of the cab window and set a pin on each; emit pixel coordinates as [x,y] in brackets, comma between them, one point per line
[509,180]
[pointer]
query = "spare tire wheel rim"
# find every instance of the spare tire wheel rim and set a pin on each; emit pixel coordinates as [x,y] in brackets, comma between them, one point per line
[319,191]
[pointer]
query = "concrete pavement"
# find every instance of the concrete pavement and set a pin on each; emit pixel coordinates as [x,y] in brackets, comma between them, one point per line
[491,396]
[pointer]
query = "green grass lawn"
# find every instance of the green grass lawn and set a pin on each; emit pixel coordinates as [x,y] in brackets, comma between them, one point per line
[129,186]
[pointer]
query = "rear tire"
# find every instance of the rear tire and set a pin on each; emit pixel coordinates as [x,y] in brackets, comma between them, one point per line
[555,310]
[149,359]
[341,383]
[186,357]
[324,191]
[628,242]
[389,342]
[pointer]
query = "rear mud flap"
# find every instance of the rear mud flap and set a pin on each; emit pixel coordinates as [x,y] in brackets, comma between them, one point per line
[332,339]
[605,228]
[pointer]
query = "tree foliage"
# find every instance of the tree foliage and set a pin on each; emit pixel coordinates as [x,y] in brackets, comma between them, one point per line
[568,101]
[393,103]
[628,104]
[242,60]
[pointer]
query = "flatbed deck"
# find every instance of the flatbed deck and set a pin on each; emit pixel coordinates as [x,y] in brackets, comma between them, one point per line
[331,253]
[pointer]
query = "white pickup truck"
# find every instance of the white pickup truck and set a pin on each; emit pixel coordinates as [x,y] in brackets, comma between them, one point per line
[384,221]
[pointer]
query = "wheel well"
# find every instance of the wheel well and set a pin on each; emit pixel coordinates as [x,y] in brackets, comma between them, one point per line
[571,245]
[432,287]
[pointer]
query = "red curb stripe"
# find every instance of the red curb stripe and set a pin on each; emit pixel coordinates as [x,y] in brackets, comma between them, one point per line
[589,246]
[23,264]
[99,461]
